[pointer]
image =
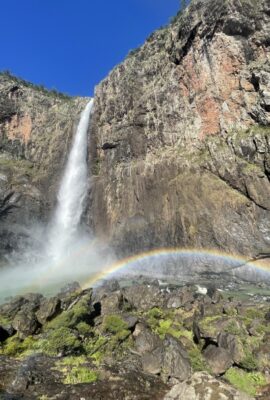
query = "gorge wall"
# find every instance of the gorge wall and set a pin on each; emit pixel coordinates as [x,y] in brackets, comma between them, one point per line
[180,138]
[182,135]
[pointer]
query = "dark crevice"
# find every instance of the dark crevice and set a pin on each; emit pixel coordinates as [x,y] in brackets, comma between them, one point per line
[185,49]
[255,82]
[208,342]
[109,146]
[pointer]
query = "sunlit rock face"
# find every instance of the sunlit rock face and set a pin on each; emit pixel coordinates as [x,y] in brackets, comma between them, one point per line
[36,127]
[182,135]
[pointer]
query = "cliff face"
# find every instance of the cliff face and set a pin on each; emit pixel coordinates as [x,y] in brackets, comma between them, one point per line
[36,127]
[181,135]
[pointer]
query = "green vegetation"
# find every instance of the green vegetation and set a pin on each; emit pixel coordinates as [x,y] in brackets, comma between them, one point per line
[75,371]
[71,318]
[19,165]
[249,362]
[248,382]
[196,359]
[40,88]
[114,324]
[83,328]
[60,340]
[16,347]
[233,328]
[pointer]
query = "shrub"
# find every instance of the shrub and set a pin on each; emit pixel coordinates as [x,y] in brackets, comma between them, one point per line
[58,341]
[114,324]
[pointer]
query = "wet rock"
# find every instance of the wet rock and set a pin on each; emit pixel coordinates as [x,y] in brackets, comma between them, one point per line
[48,309]
[25,323]
[202,386]
[218,359]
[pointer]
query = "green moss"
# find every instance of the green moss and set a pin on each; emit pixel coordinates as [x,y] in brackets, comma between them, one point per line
[4,320]
[83,328]
[71,318]
[75,371]
[60,340]
[16,347]
[114,324]
[248,382]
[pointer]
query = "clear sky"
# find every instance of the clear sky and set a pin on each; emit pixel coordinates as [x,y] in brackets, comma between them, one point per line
[70,45]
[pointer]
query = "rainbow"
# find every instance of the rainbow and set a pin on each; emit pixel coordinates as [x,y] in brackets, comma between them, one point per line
[120,265]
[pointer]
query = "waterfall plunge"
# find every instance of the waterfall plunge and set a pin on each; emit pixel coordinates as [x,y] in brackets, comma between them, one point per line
[72,194]
[64,251]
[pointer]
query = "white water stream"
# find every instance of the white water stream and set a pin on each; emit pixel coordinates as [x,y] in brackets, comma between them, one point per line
[72,194]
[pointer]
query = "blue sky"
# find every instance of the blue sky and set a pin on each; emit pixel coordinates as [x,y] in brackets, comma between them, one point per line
[70,45]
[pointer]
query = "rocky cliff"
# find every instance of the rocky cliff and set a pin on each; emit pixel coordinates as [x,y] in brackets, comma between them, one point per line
[180,138]
[181,134]
[36,127]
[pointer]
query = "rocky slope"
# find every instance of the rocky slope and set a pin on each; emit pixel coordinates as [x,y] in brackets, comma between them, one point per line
[135,342]
[36,127]
[182,138]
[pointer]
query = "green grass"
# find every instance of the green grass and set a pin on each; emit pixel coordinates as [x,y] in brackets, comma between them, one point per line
[248,382]
[75,371]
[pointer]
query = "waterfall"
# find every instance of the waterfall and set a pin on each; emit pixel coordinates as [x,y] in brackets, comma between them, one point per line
[64,251]
[72,193]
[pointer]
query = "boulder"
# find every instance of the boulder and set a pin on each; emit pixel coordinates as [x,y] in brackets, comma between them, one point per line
[181,298]
[176,362]
[233,345]
[29,303]
[49,309]
[145,340]
[202,386]
[25,323]
[144,297]
[218,359]
[111,303]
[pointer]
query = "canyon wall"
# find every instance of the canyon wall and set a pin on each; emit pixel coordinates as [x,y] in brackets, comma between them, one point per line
[181,135]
